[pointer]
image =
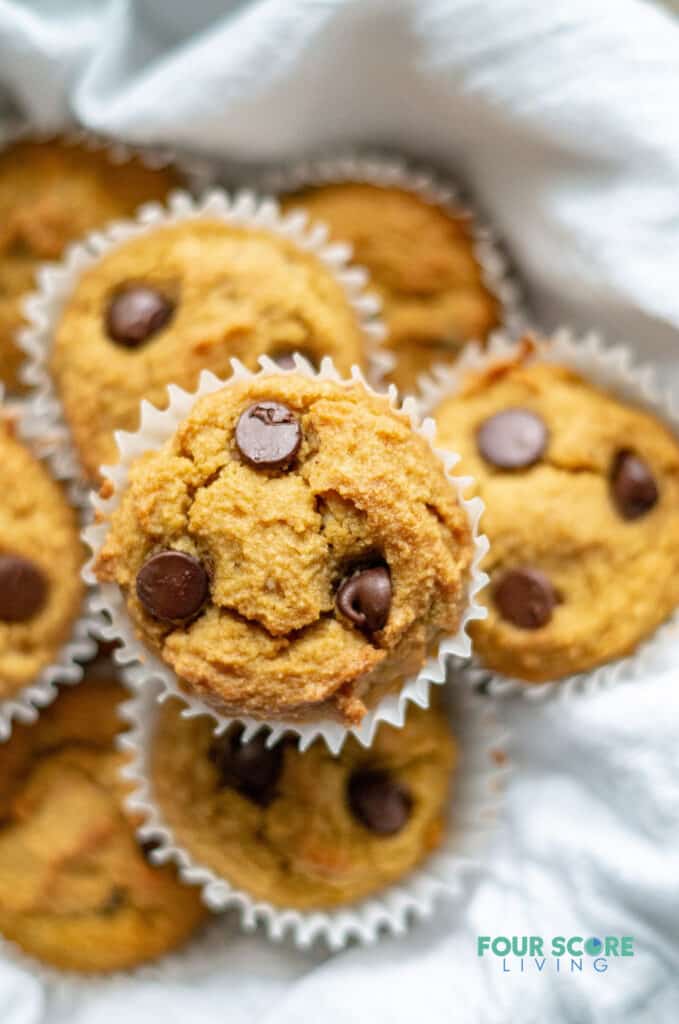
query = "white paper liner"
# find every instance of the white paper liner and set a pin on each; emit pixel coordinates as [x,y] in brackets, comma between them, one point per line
[398,172]
[613,369]
[45,424]
[67,667]
[474,803]
[56,282]
[155,428]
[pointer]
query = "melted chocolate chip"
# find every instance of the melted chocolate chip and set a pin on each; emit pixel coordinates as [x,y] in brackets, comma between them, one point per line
[136,313]
[23,588]
[268,435]
[525,597]
[633,485]
[513,439]
[172,586]
[365,598]
[251,768]
[379,802]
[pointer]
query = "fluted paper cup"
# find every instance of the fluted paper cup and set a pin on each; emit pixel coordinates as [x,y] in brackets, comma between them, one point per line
[156,427]
[612,368]
[67,667]
[448,874]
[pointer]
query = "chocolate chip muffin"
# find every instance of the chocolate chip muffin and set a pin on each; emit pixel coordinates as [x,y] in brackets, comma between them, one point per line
[76,889]
[40,561]
[293,550]
[422,264]
[164,306]
[52,193]
[582,514]
[304,830]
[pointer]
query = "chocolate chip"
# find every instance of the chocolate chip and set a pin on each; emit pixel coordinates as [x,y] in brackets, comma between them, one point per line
[365,598]
[525,597]
[379,802]
[512,439]
[268,435]
[251,768]
[23,588]
[635,491]
[136,313]
[172,586]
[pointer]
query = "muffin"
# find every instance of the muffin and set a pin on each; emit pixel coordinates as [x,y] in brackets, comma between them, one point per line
[51,193]
[40,561]
[422,264]
[161,307]
[76,889]
[292,551]
[305,830]
[582,514]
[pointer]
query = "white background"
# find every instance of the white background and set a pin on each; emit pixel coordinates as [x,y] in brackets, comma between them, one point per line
[562,119]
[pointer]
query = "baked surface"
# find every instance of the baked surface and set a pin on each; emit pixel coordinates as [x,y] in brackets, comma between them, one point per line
[234,293]
[36,524]
[363,490]
[76,889]
[422,265]
[615,579]
[52,193]
[305,848]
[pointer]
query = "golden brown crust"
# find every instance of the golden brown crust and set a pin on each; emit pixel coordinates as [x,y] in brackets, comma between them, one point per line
[37,523]
[75,888]
[269,641]
[52,193]
[239,293]
[305,849]
[616,579]
[422,265]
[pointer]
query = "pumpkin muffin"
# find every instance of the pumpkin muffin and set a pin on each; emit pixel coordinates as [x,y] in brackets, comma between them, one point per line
[582,514]
[305,830]
[162,307]
[76,889]
[293,550]
[40,561]
[52,193]
[422,264]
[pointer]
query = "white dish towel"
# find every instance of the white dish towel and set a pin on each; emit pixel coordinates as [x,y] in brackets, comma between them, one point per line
[562,118]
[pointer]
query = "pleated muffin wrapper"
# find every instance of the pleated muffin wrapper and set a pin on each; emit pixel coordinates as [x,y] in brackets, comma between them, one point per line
[156,427]
[613,369]
[449,874]
[391,170]
[67,667]
[57,281]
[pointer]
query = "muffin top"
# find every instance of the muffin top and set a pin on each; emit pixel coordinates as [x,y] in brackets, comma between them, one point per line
[162,307]
[40,560]
[52,193]
[293,547]
[582,514]
[76,889]
[306,830]
[421,261]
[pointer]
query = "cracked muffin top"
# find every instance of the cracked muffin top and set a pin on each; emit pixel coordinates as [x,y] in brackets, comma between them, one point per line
[582,514]
[160,308]
[422,264]
[41,556]
[306,830]
[293,550]
[52,193]
[76,889]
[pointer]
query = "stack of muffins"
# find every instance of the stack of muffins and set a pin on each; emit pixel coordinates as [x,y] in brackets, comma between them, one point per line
[282,544]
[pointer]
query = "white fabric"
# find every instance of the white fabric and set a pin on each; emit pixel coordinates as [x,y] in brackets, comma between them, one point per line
[562,117]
